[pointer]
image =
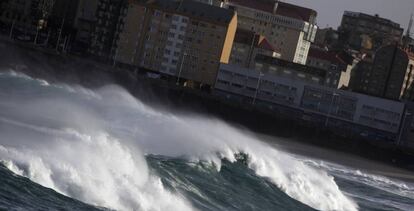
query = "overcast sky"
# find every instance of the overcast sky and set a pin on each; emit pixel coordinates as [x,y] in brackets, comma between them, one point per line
[330,11]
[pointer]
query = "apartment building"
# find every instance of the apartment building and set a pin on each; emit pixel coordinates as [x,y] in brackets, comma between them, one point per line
[361,114]
[289,28]
[387,75]
[108,22]
[369,32]
[286,69]
[247,45]
[328,61]
[184,39]
[84,23]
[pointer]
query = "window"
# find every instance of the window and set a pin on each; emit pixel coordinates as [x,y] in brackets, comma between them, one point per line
[301,75]
[237,85]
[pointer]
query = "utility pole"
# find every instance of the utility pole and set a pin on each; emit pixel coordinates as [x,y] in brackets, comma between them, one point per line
[257,88]
[330,109]
[181,68]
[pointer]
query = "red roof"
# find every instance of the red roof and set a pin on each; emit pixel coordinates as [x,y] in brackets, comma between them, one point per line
[246,37]
[283,9]
[325,55]
[266,6]
[264,44]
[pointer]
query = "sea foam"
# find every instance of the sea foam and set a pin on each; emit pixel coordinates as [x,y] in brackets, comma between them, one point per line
[92,149]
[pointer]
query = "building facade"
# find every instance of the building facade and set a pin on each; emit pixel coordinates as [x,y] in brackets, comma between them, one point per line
[328,61]
[290,29]
[84,25]
[285,69]
[106,30]
[362,114]
[247,45]
[327,37]
[387,76]
[184,39]
[362,31]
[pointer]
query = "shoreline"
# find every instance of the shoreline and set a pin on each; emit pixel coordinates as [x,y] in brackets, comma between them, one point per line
[165,95]
[355,162]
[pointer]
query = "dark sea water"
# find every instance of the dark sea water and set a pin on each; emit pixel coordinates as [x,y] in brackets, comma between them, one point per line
[64,147]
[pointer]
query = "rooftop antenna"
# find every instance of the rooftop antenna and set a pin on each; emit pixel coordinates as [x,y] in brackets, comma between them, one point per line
[410,25]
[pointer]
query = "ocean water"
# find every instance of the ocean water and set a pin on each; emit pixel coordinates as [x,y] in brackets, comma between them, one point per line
[65,147]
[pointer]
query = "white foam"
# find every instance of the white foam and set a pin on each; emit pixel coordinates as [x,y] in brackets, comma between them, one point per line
[92,149]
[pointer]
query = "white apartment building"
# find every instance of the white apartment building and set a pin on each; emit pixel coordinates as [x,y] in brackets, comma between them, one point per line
[289,28]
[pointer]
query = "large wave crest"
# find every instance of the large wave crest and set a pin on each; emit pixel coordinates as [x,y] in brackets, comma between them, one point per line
[91,145]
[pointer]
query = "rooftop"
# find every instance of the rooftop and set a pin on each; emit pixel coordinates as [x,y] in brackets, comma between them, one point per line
[246,37]
[195,9]
[291,65]
[375,18]
[283,9]
[265,44]
[325,55]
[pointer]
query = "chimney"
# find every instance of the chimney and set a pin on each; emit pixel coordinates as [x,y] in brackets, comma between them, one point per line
[275,6]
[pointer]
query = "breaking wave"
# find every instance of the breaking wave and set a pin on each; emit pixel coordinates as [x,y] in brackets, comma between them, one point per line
[93,145]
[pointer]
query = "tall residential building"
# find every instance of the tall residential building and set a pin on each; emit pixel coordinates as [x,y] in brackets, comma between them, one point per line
[289,28]
[368,32]
[184,39]
[329,61]
[388,75]
[108,22]
[84,24]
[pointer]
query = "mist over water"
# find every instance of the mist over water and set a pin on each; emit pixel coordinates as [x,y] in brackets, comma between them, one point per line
[94,145]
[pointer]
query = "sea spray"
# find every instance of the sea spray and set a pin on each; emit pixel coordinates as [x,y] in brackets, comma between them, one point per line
[91,148]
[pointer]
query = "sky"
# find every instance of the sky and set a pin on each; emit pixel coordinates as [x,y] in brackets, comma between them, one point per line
[330,11]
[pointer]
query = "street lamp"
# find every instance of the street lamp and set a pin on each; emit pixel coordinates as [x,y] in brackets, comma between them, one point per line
[330,109]
[257,88]
[181,68]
